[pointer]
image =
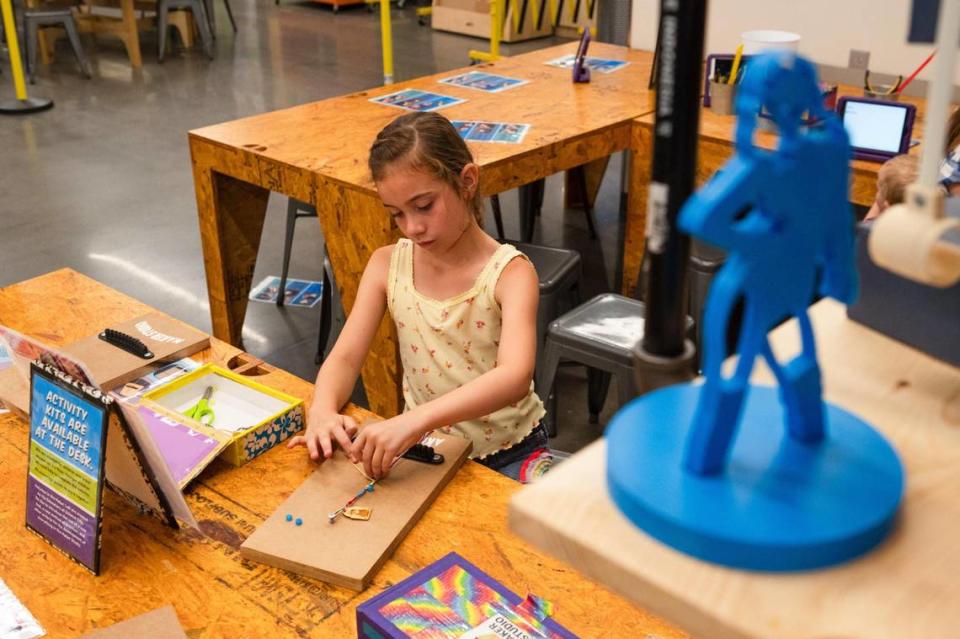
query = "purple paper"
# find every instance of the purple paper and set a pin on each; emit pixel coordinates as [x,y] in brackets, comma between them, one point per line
[183,448]
[64,524]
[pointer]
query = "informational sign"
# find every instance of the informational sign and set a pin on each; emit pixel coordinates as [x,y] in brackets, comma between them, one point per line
[68,430]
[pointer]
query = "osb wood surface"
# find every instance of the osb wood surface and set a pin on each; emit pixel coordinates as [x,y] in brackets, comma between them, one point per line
[906,588]
[332,137]
[714,149]
[317,153]
[214,591]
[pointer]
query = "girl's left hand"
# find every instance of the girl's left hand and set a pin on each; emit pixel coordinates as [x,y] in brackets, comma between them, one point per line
[379,444]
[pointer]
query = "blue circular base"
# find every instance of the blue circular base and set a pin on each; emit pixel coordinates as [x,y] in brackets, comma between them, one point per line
[779,505]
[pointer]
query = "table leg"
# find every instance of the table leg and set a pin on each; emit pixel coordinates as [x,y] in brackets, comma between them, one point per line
[634,232]
[231,214]
[130,35]
[594,172]
[355,224]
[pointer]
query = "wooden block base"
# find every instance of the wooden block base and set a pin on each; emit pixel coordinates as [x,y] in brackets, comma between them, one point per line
[904,588]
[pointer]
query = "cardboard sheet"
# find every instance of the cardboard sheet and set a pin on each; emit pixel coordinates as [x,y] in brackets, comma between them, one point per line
[161,623]
[169,339]
[348,553]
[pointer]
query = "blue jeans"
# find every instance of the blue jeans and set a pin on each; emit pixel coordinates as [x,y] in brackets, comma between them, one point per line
[524,461]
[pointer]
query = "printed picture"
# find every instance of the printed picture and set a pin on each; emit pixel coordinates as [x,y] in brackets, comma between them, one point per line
[601,65]
[414,100]
[309,296]
[503,132]
[488,82]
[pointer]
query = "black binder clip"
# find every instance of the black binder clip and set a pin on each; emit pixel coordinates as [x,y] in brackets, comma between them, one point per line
[126,342]
[423,453]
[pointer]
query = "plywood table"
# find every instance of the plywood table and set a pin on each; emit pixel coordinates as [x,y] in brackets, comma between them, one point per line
[714,149]
[906,588]
[317,153]
[216,593]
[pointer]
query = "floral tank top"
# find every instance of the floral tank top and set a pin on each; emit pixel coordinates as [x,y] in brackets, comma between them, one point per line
[445,344]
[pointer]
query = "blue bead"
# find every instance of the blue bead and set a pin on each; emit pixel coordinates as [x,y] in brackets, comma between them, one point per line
[299,521]
[289,517]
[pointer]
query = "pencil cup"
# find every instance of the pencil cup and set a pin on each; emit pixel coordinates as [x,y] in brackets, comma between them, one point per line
[882,92]
[721,97]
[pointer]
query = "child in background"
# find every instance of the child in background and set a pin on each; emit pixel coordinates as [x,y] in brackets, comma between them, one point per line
[895,175]
[950,165]
[465,310]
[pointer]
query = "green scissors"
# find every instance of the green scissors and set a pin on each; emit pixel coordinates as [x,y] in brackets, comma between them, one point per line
[201,411]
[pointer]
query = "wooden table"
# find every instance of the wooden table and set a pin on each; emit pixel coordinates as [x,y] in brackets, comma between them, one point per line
[715,148]
[317,153]
[215,592]
[906,588]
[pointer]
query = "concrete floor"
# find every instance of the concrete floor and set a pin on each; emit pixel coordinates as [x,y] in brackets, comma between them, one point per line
[102,182]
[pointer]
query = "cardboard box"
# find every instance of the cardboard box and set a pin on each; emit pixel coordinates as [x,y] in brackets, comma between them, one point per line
[259,417]
[453,598]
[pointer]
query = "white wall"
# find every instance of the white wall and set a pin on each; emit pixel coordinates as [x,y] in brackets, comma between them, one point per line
[828,28]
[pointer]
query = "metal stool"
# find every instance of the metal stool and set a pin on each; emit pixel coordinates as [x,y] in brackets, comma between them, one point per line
[558,271]
[705,261]
[330,313]
[531,201]
[199,17]
[33,19]
[600,334]
[212,15]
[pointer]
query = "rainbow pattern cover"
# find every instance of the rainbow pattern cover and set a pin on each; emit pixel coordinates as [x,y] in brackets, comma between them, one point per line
[454,598]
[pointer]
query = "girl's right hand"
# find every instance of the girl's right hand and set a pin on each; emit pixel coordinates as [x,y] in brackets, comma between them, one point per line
[323,431]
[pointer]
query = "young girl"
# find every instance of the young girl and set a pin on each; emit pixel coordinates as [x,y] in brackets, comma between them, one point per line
[465,309]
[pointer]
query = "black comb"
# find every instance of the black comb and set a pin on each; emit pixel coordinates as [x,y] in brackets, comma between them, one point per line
[126,342]
[423,453]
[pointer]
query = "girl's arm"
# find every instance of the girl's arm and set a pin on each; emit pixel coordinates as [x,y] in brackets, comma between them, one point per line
[518,294]
[337,377]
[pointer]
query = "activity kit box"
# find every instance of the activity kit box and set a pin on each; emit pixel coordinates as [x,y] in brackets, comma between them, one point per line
[258,417]
[453,598]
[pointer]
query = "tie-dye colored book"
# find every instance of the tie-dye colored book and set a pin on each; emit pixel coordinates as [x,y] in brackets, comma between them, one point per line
[454,598]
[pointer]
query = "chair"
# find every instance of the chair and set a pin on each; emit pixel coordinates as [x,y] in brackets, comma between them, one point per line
[600,334]
[33,19]
[531,201]
[296,210]
[558,271]
[199,17]
[212,16]
[705,261]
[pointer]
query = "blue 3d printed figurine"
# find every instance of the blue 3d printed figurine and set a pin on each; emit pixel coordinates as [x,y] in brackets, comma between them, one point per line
[739,474]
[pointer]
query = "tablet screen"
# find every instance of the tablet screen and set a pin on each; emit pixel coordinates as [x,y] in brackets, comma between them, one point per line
[876,127]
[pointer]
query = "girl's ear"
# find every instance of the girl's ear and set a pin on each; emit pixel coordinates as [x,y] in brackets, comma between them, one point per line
[470,179]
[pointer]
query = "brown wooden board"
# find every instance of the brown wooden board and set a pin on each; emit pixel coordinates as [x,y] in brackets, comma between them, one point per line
[167,338]
[347,552]
[161,623]
[905,588]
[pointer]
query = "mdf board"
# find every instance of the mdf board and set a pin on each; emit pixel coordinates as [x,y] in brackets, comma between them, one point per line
[167,338]
[472,17]
[906,588]
[348,552]
[161,623]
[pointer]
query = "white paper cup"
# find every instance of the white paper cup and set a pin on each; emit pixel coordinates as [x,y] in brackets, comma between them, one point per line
[762,40]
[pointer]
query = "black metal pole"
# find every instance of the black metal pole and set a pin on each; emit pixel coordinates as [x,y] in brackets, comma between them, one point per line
[679,64]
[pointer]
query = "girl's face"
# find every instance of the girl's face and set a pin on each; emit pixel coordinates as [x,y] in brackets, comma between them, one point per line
[428,210]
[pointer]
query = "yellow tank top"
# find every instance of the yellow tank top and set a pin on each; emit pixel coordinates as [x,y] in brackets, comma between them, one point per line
[445,344]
